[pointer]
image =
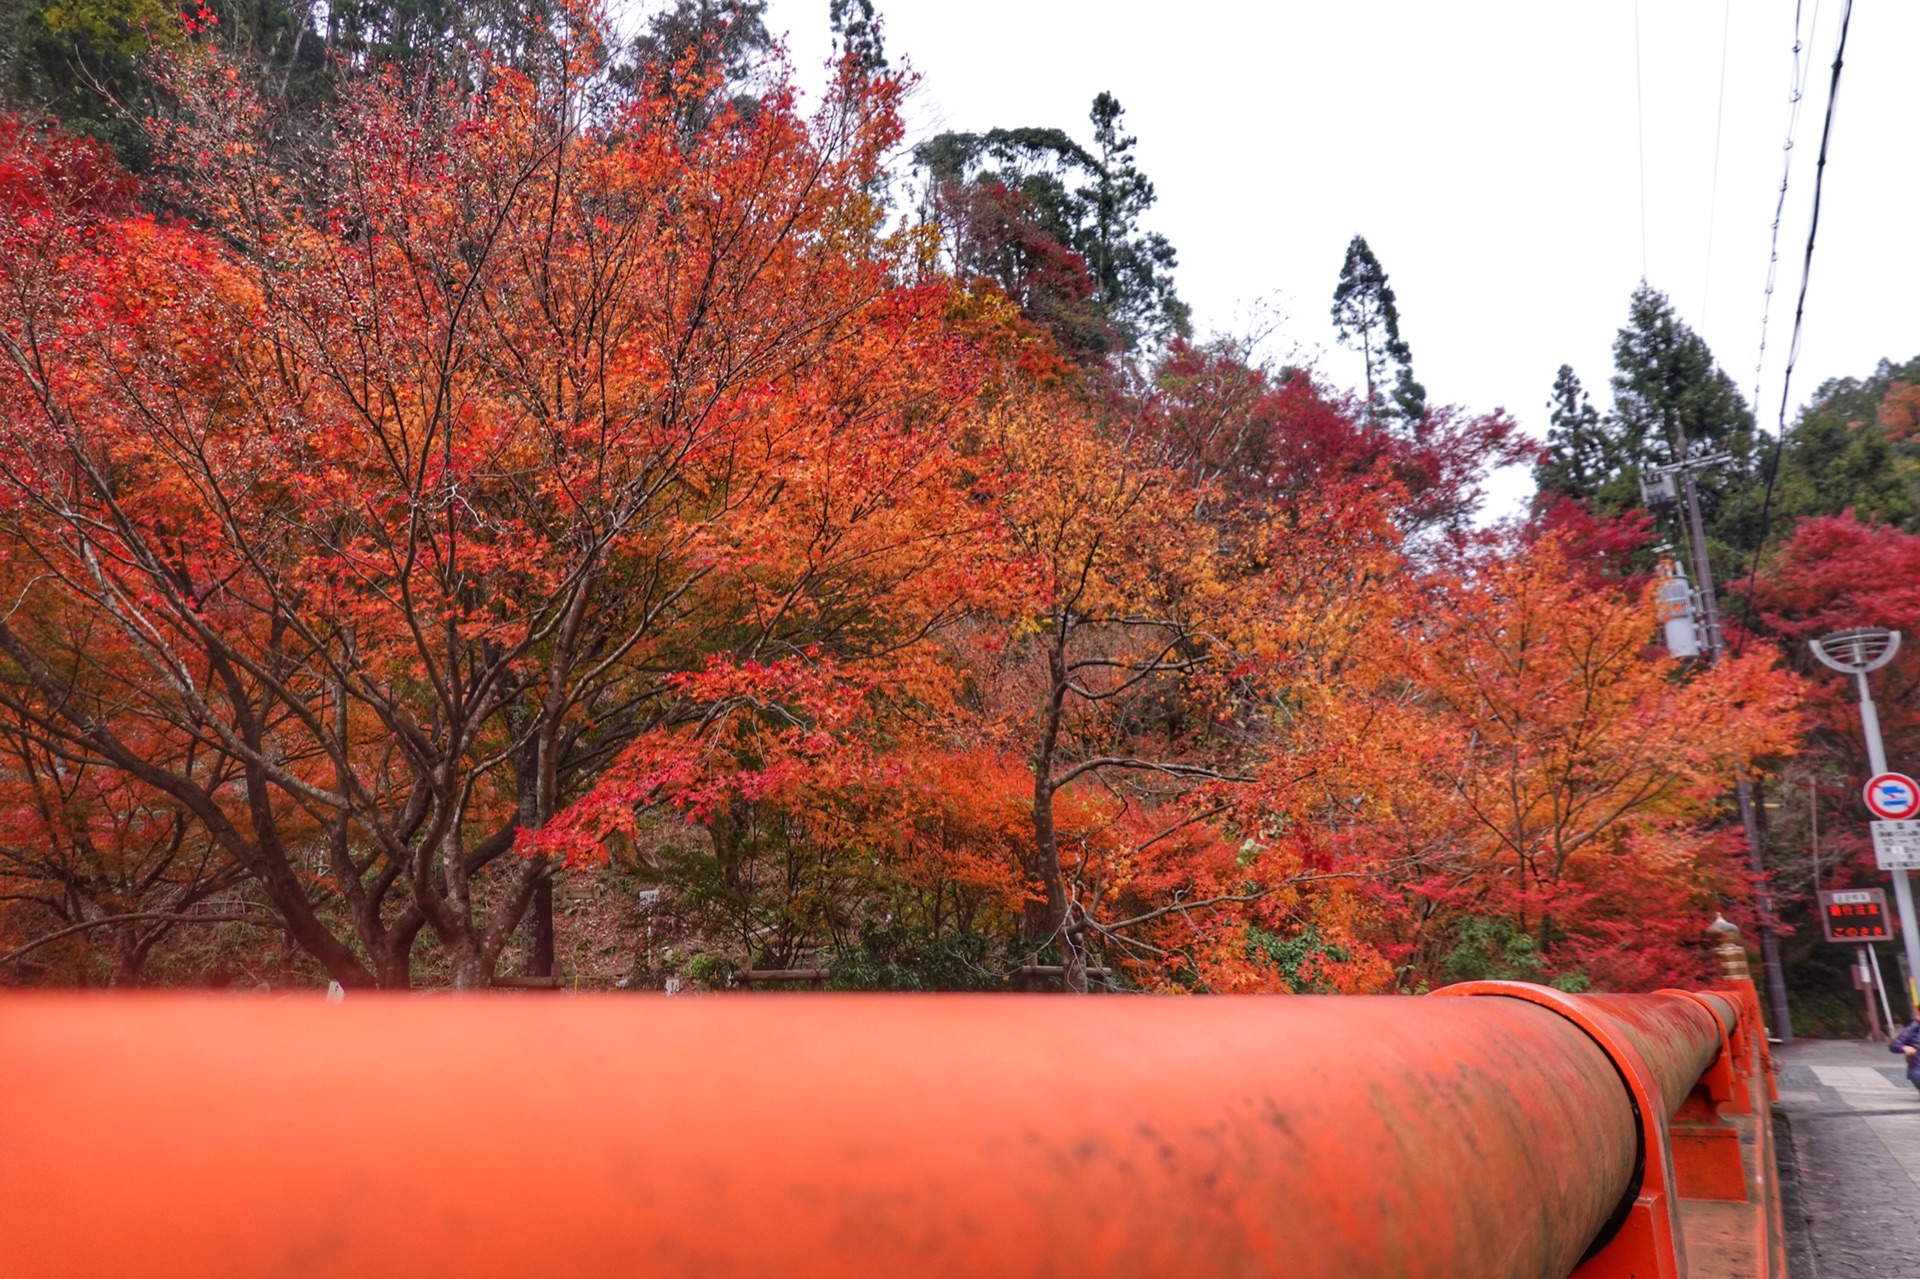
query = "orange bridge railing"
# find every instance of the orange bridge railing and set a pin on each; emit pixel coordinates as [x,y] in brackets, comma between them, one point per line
[1498,1129]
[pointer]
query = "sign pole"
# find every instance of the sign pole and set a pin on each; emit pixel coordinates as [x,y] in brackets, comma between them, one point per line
[1880,984]
[1902,886]
[1863,969]
[1855,652]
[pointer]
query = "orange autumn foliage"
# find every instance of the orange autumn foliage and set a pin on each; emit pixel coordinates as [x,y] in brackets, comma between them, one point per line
[1545,767]
[504,451]
[544,486]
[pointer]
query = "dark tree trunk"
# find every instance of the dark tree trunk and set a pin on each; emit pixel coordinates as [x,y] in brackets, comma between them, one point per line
[536,935]
[1053,925]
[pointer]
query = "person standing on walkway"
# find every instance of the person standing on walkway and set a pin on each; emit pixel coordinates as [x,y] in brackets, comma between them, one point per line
[1908,1042]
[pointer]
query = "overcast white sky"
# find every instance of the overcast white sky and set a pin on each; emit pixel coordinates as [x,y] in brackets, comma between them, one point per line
[1489,153]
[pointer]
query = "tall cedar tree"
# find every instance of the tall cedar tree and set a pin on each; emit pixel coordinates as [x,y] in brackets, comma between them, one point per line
[1576,458]
[857,36]
[1367,319]
[1666,387]
[1132,269]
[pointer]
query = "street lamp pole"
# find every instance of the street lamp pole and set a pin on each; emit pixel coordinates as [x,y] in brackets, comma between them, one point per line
[1855,653]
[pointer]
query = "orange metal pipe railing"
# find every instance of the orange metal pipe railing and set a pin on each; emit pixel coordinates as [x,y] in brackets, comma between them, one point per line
[1673,1036]
[808,1137]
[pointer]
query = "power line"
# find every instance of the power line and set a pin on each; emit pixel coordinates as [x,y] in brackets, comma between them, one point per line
[1813,225]
[1796,92]
[1713,199]
[1640,128]
[1800,307]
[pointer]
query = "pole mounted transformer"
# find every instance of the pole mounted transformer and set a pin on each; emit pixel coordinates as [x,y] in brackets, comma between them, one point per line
[1859,652]
[1677,610]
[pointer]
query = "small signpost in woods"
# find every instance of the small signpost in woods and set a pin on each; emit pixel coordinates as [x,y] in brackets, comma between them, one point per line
[1857,916]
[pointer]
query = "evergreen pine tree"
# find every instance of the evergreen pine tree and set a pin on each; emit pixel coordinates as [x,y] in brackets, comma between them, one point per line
[1666,387]
[1578,455]
[856,34]
[1132,270]
[1409,397]
[1666,384]
[1366,318]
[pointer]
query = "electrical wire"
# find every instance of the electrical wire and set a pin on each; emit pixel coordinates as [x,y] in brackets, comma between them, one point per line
[1713,199]
[1813,224]
[1640,130]
[1800,307]
[1797,91]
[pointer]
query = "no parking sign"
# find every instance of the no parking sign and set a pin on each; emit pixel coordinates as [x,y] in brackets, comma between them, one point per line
[1893,797]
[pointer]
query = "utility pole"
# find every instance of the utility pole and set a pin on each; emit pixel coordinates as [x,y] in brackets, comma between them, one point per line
[1856,653]
[1662,489]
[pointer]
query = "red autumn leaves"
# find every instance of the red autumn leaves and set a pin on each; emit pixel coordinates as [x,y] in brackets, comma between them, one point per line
[528,487]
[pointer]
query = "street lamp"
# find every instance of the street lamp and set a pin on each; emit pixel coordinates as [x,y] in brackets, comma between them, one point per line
[1856,652]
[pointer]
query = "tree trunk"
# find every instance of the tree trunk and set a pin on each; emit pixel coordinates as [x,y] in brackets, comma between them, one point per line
[393,952]
[536,935]
[1053,924]
[1073,961]
[130,957]
[472,968]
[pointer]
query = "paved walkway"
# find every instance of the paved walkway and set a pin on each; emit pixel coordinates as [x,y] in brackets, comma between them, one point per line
[1849,1142]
